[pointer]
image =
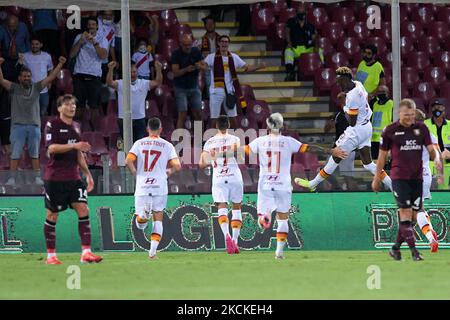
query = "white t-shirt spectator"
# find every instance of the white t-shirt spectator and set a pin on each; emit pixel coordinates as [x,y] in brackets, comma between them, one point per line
[238,63]
[138,94]
[88,61]
[39,64]
[142,61]
[109,32]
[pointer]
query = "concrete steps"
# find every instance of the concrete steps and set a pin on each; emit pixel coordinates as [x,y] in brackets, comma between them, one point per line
[226,28]
[270,58]
[198,14]
[298,104]
[248,43]
[269,74]
[265,90]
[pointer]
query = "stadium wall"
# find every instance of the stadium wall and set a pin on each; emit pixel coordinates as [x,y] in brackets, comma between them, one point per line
[319,221]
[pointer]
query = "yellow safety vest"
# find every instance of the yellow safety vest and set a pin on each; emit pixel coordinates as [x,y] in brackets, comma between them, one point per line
[446,140]
[369,76]
[381,118]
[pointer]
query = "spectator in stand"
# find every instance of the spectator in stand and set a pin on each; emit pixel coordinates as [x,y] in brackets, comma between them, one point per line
[5,121]
[40,63]
[225,81]
[106,29]
[90,49]
[186,63]
[440,128]
[25,117]
[138,90]
[370,72]
[301,38]
[14,39]
[244,18]
[210,43]
[145,25]
[383,108]
[45,26]
[143,60]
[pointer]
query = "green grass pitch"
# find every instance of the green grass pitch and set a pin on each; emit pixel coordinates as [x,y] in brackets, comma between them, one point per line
[215,275]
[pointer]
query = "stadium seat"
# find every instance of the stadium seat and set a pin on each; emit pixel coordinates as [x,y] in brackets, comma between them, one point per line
[435,75]
[262,20]
[349,46]
[359,31]
[386,14]
[338,59]
[444,14]
[423,15]
[324,80]
[255,6]
[325,45]
[308,63]
[258,110]
[63,82]
[442,59]
[277,7]
[179,30]
[438,29]
[429,44]
[405,91]
[444,90]
[308,160]
[410,76]
[386,59]
[406,46]
[287,14]
[420,104]
[333,31]
[96,141]
[388,75]
[317,17]
[112,141]
[167,126]
[167,18]
[166,47]
[385,32]
[409,8]
[112,107]
[424,90]
[344,16]
[418,59]
[245,123]
[247,92]
[379,43]
[108,125]
[412,29]
[276,41]
[151,109]
[335,90]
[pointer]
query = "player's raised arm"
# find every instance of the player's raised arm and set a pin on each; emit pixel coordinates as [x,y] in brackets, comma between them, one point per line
[159,76]
[84,168]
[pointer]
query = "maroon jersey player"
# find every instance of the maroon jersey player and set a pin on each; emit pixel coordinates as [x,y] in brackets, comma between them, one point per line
[405,139]
[62,181]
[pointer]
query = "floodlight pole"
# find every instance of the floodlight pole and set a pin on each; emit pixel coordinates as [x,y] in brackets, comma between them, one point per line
[126,77]
[396,62]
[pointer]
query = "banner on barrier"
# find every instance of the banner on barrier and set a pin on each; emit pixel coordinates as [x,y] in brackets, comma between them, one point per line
[326,221]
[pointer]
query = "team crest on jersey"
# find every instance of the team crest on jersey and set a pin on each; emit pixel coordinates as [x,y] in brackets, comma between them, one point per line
[416,132]
[150,181]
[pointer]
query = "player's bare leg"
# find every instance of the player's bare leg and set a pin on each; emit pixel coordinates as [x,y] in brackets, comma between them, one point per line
[282,232]
[424,222]
[323,174]
[224,225]
[50,237]
[368,164]
[157,231]
[84,230]
[236,224]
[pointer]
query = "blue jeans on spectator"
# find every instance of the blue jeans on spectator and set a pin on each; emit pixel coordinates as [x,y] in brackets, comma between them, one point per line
[44,99]
[185,97]
[22,134]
